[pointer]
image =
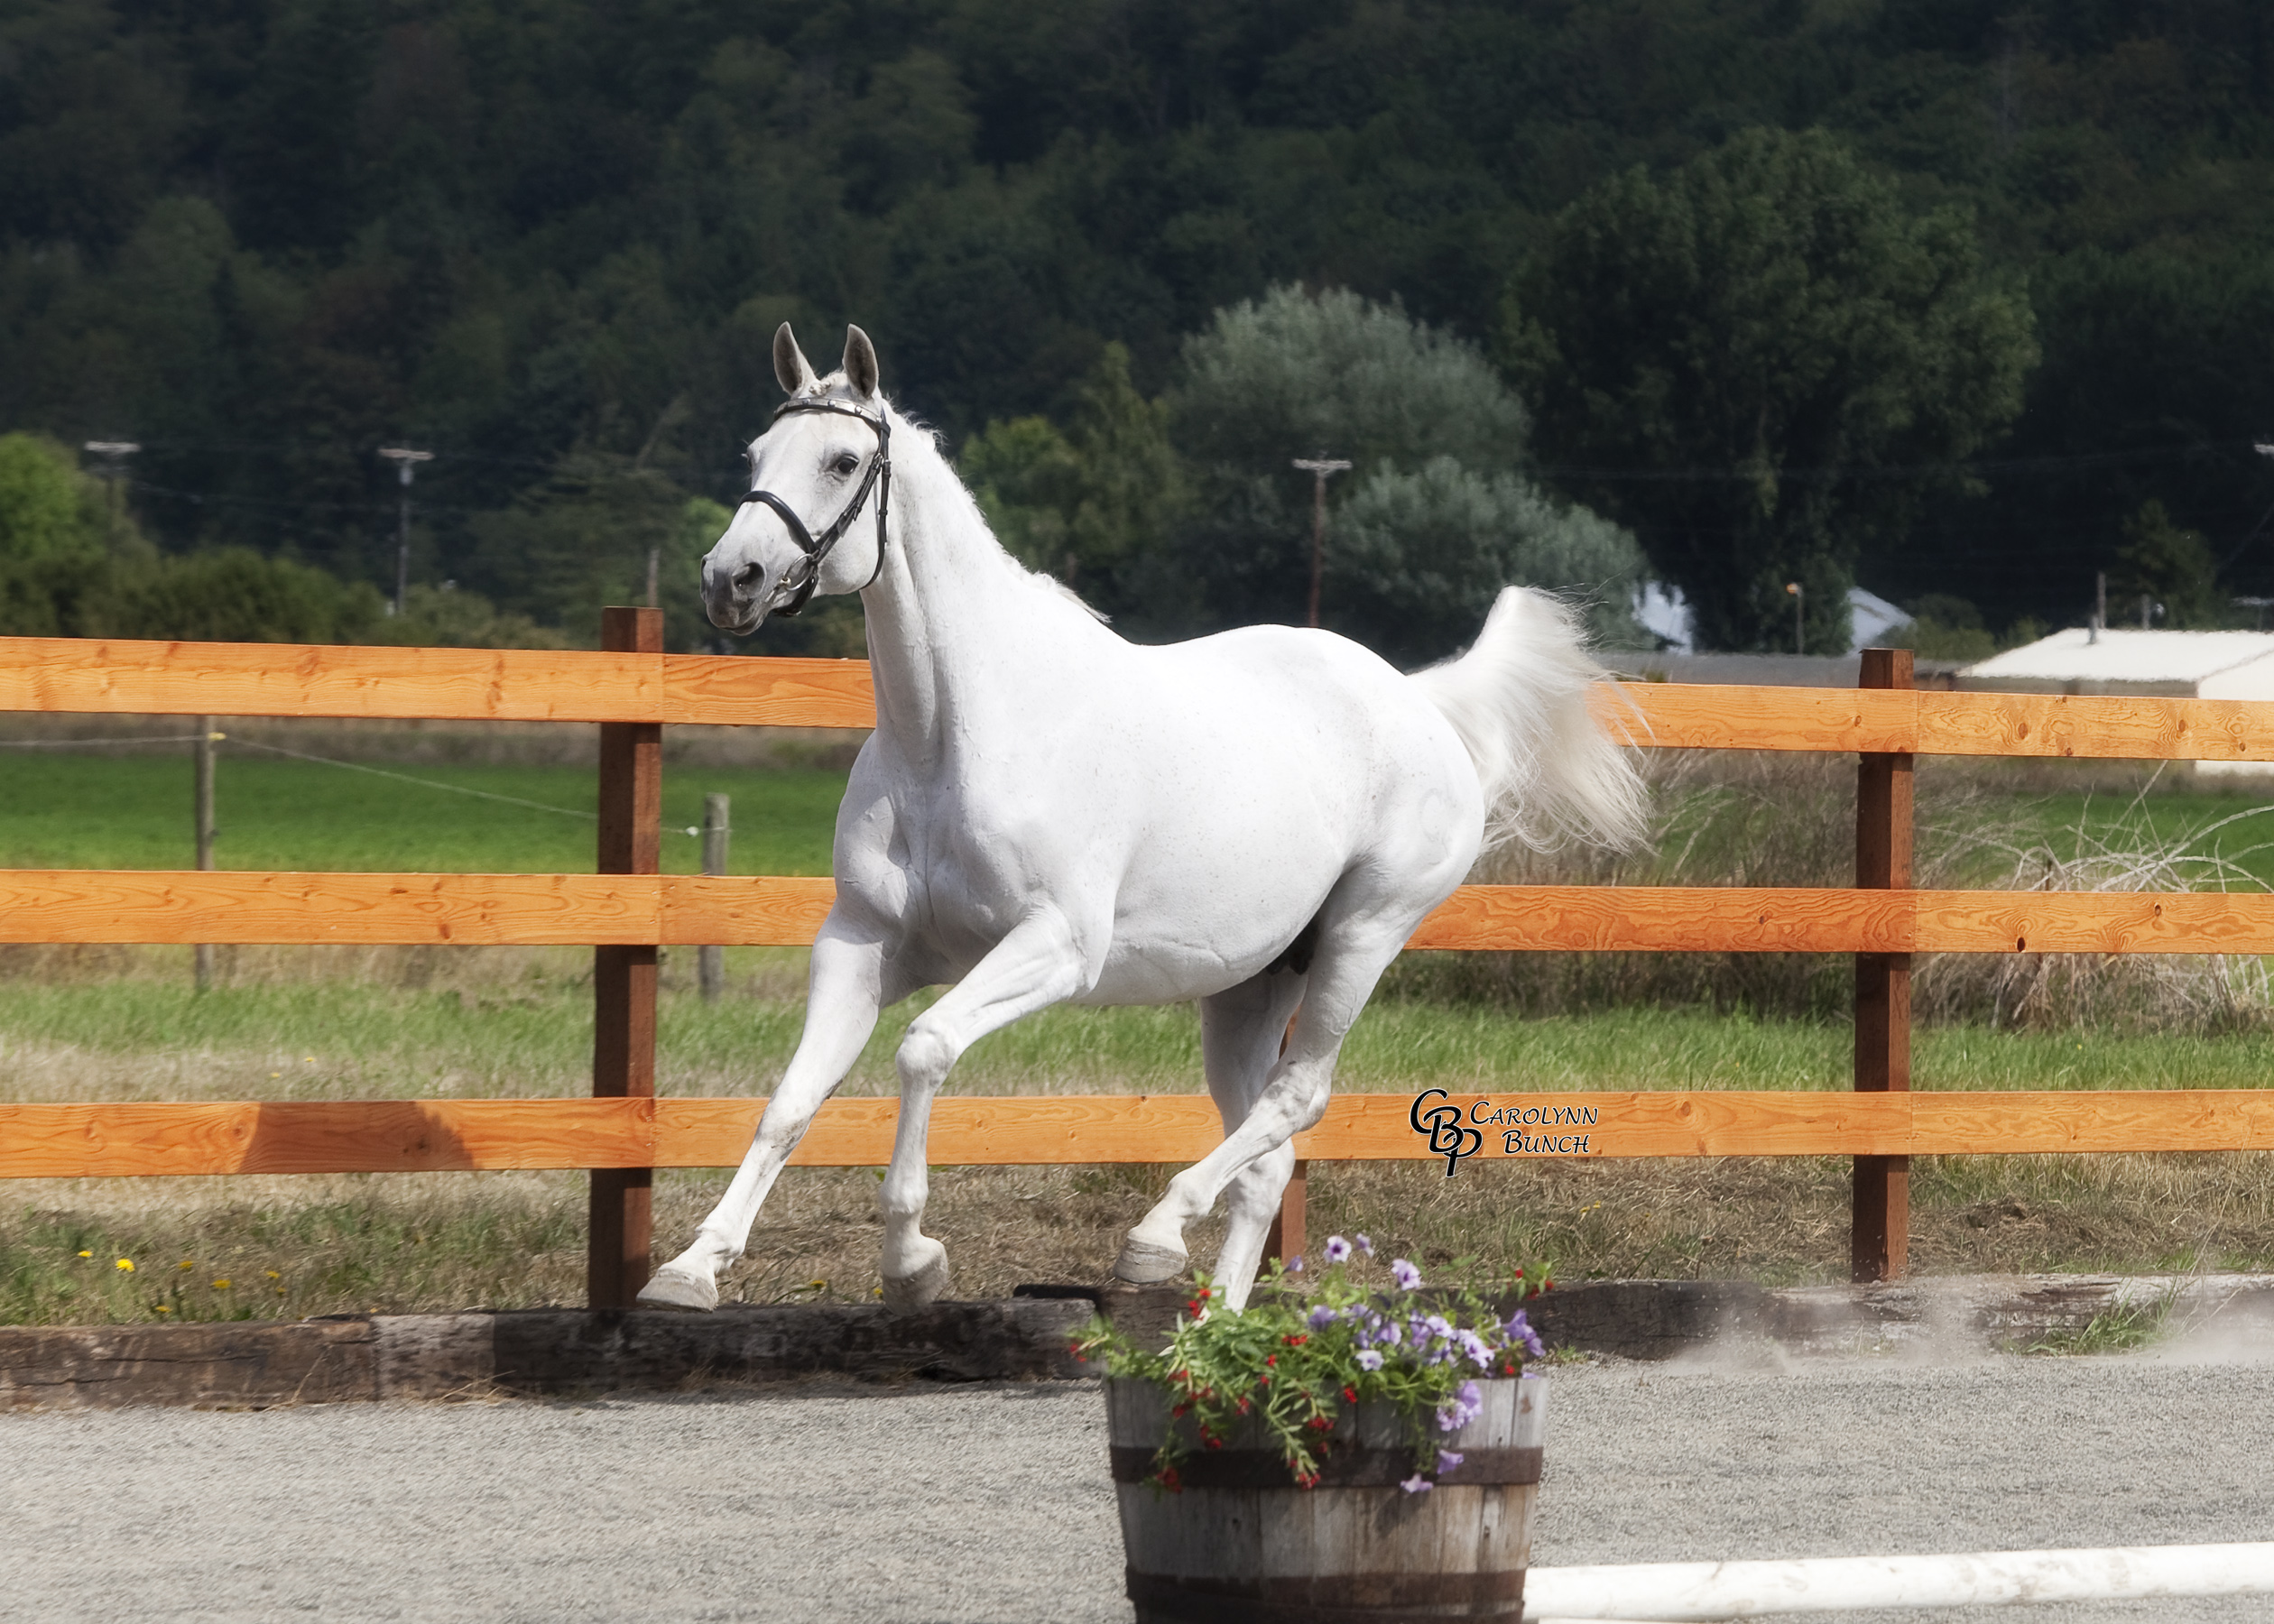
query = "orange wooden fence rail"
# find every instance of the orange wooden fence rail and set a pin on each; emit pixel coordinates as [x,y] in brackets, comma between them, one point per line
[626,910]
[414,1136]
[518,684]
[492,911]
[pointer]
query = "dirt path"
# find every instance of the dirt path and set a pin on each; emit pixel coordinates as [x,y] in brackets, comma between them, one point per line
[993,1504]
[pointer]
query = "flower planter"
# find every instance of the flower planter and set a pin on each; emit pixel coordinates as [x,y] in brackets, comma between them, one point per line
[1240,1542]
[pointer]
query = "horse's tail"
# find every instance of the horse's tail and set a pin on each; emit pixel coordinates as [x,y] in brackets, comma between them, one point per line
[1519,699]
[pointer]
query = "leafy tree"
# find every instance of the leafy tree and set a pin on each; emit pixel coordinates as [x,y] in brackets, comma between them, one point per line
[443,617]
[49,509]
[1943,626]
[233,594]
[1749,361]
[2171,566]
[1417,558]
[1433,519]
[1331,374]
[1088,505]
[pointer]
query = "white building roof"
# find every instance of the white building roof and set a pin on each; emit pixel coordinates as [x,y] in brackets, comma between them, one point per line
[2123,656]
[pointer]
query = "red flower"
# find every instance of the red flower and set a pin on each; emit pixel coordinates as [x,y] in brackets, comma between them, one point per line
[1308,1482]
[1270,1359]
[1215,1442]
[1167,1478]
[1350,1395]
[1297,1341]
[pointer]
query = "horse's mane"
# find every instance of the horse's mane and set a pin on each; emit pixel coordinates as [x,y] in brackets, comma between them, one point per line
[918,431]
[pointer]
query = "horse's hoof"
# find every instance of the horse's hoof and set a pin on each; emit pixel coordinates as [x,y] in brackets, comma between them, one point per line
[673,1287]
[1142,1263]
[929,1284]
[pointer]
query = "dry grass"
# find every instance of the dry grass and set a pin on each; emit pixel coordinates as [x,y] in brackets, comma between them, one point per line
[435,1242]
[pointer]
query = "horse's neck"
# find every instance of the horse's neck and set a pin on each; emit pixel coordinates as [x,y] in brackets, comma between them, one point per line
[957,632]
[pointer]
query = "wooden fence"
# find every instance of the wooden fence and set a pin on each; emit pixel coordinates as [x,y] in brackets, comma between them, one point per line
[628,909]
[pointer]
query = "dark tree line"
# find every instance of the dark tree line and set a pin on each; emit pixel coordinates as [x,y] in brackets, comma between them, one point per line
[551,242]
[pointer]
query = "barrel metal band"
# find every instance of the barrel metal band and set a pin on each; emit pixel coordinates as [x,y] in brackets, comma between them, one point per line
[1337,1468]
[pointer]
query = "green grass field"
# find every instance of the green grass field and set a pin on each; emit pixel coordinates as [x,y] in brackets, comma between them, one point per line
[134,811]
[121,1024]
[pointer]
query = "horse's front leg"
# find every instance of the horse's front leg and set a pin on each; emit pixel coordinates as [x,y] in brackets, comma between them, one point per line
[1037,964]
[846,990]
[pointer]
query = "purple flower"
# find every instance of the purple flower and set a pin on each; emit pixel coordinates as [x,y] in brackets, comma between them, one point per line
[1449,1459]
[1337,1250]
[1320,1317]
[1466,1404]
[1476,1348]
[1519,1332]
[1369,1360]
[1294,1264]
[1364,1245]
[1416,1484]
[1404,1273]
[1438,1325]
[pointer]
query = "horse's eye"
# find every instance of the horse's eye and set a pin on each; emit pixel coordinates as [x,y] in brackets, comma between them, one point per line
[846,463]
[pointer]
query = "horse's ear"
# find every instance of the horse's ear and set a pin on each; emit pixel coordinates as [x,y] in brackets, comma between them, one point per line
[793,371]
[860,363]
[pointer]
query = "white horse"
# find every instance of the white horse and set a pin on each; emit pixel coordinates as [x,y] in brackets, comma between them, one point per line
[1047,813]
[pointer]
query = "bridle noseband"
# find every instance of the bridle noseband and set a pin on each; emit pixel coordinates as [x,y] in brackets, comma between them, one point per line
[817,548]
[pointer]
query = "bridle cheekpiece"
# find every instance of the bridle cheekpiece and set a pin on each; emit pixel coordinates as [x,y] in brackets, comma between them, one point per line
[878,479]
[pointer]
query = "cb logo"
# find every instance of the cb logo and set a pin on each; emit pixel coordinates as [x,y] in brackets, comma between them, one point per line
[1449,1136]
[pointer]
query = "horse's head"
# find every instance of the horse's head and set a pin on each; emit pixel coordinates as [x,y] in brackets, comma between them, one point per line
[820,479]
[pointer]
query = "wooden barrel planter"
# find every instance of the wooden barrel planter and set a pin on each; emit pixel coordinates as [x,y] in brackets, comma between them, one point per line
[1242,1543]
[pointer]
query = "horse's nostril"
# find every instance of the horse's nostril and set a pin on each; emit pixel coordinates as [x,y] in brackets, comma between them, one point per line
[747,576]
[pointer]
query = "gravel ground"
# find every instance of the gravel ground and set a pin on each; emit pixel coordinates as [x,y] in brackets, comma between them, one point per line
[992,1503]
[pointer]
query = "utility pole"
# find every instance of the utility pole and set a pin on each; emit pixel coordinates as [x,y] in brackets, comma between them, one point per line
[114,454]
[655,556]
[404,462]
[2100,604]
[1800,620]
[1322,468]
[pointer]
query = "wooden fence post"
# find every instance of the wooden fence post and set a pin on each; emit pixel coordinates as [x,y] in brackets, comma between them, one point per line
[623,978]
[1879,1235]
[710,963]
[202,816]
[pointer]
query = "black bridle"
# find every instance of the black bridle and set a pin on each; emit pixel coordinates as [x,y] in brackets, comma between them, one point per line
[817,548]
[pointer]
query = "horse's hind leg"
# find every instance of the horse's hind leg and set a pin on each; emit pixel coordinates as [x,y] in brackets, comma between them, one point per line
[1036,965]
[1241,1031]
[1356,944]
[846,990]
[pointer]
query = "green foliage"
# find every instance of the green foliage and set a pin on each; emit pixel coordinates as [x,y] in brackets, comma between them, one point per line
[532,236]
[1430,522]
[1296,373]
[1944,627]
[1089,504]
[1414,561]
[1294,1368]
[49,510]
[443,617]
[582,542]
[2171,566]
[233,594]
[1761,342]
